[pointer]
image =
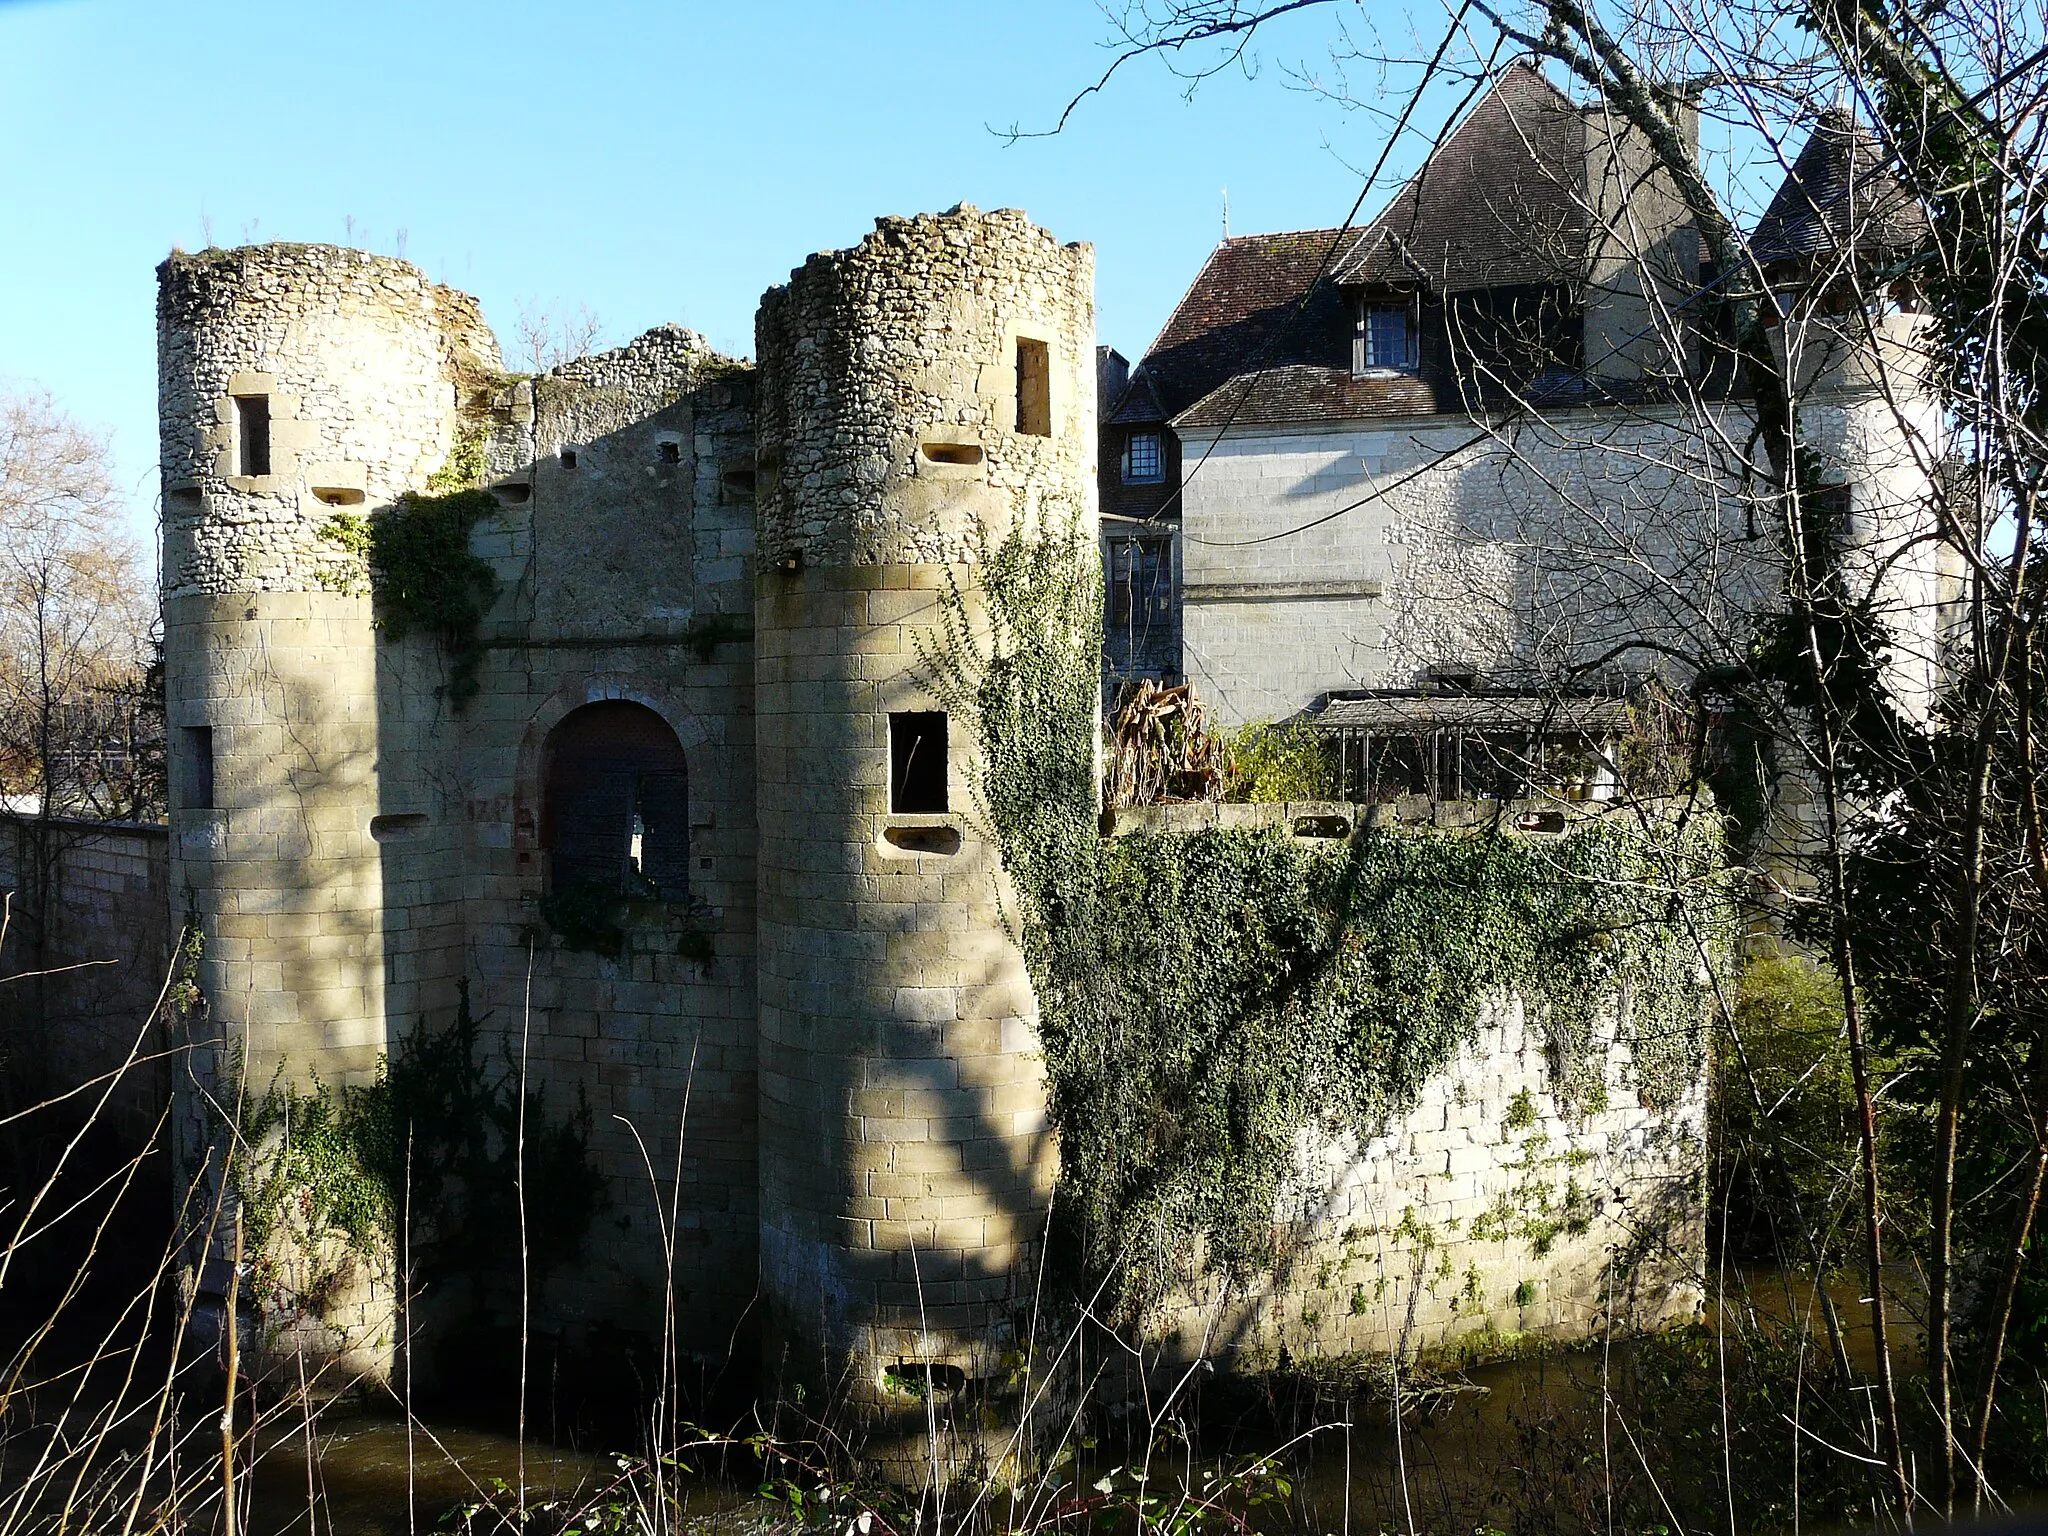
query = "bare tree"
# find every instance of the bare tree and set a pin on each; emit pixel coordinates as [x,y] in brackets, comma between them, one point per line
[550,335]
[1888,647]
[80,712]
[76,618]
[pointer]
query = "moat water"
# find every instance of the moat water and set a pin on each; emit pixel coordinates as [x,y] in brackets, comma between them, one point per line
[1530,1445]
[1474,1447]
[369,1477]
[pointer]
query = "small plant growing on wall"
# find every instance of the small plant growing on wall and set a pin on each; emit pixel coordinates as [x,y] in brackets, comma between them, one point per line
[593,917]
[586,917]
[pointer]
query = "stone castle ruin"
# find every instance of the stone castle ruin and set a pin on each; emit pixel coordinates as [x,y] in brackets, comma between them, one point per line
[794,1011]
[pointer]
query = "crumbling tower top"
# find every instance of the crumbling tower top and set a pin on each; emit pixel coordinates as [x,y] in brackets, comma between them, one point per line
[295,380]
[921,381]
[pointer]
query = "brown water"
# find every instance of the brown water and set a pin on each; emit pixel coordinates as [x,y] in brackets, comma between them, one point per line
[369,1477]
[1469,1450]
[1527,1444]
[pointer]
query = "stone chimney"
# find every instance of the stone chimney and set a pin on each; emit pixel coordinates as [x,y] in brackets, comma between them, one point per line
[1643,252]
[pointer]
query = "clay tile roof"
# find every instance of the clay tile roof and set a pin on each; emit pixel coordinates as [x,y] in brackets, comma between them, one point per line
[1237,313]
[1497,203]
[1306,392]
[1839,190]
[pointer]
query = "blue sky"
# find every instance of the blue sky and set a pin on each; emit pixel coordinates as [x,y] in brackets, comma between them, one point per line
[655,161]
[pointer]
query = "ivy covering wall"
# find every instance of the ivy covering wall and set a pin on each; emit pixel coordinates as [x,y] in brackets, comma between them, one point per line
[434,1138]
[1207,997]
[414,558]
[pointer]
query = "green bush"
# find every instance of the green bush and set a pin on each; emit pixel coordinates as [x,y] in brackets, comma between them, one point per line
[1267,763]
[1784,1121]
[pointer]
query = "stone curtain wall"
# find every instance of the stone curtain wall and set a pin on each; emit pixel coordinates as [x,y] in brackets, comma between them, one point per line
[109,915]
[1489,1212]
[627,576]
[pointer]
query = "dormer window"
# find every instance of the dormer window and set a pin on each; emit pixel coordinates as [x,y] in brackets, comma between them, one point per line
[1386,337]
[1142,464]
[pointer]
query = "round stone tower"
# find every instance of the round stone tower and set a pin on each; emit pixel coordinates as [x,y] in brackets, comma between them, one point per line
[297,385]
[931,387]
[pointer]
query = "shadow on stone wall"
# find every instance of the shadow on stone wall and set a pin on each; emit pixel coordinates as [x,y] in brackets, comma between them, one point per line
[84,1071]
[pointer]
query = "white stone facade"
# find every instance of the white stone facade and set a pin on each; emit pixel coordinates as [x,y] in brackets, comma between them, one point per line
[1371,554]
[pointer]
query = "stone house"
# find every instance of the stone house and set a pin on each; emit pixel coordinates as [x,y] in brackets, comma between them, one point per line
[1455,481]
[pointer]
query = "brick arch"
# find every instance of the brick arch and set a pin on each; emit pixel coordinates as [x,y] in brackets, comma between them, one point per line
[598,687]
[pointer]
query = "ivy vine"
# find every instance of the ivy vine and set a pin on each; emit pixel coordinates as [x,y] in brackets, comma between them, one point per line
[308,1162]
[1206,997]
[415,560]
[423,576]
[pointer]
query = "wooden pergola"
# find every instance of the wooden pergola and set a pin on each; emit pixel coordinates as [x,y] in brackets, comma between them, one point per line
[1458,746]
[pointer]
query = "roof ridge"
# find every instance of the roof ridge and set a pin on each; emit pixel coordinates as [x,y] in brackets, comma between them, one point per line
[1521,72]
[1291,234]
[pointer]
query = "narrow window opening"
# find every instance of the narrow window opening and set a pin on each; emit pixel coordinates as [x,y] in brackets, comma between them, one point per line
[924,839]
[917,763]
[1140,579]
[198,785]
[658,853]
[738,484]
[568,458]
[512,492]
[1322,826]
[925,1379]
[1034,388]
[398,826]
[669,453]
[252,433]
[952,453]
